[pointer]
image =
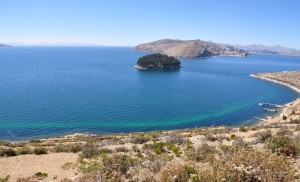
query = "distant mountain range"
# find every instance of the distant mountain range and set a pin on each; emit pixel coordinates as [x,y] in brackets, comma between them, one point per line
[269,49]
[190,48]
[4,45]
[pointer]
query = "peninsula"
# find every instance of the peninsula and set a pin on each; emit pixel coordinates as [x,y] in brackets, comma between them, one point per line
[267,151]
[190,48]
[158,61]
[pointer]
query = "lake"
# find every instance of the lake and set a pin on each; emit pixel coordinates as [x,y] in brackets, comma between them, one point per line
[48,91]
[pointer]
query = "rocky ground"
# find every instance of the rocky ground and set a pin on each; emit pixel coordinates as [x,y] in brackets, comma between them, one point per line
[269,151]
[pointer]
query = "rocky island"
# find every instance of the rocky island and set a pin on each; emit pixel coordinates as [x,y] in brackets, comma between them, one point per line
[190,48]
[158,61]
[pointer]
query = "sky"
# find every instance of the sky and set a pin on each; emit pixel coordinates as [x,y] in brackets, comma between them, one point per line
[131,22]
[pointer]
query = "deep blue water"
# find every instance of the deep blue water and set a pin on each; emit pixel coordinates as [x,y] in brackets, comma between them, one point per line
[47,91]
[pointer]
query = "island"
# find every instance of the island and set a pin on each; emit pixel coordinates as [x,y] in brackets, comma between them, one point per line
[190,48]
[158,61]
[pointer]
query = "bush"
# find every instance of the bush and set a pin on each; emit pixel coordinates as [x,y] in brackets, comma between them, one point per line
[6,179]
[41,175]
[175,138]
[139,138]
[242,129]
[174,148]
[119,163]
[178,172]
[40,151]
[75,148]
[121,149]
[204,153]
[135,148]
[8,152]
[263,136]
[24,151]
[158,147]
[210,137]
[282,144]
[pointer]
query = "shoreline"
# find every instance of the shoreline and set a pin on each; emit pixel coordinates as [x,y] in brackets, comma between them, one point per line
[286,110]
[276,81]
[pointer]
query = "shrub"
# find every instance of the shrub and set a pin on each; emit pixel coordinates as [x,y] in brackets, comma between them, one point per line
[8,152]
[282,144]
[177,172]
[24,151]
[242,129]
[189,143]
[41,175]
[210,137]
[204,153]
[121,149]
[174,148]
[90,150]
[135,148]
[117,162]
[6,179]
[285,133]
[263,136]
[139,138]
[75,148]
[40,151]
[175,138]
[158,147]
[232,136]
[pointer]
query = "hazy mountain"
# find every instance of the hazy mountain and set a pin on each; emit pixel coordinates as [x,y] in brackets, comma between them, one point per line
[269,49]
[190,48]
[4,45]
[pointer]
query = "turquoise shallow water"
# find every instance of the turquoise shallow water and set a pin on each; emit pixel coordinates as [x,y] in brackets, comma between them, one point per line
[46,91]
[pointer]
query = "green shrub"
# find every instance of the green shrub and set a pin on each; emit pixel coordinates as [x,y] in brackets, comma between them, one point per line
[75,148]
[232,136]
[6,179]
[40,151]
[8,152]
[242,129]
[135,148]
[41,175]
[139,138]
[189,143]
[158,147]
[174,148]
[282,144]
[263,136]
[24,151]
[121,149]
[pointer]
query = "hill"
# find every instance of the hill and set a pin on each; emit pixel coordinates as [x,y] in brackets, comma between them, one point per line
[269,49]
[4,45]
[158,61]
[190,48]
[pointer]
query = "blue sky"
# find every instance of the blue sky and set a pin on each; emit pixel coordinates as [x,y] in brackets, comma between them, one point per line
[130,22]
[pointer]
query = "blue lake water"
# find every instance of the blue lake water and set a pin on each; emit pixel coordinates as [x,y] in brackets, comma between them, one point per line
[46,91]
